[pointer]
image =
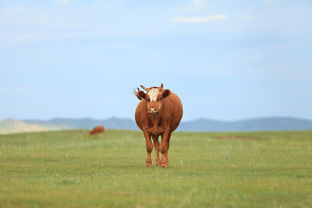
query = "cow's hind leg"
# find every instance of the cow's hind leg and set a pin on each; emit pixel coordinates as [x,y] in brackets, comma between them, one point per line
[156,146]
[164,148]
[149,149]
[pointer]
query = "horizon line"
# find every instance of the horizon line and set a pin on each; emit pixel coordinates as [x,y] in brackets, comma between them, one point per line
[189,120]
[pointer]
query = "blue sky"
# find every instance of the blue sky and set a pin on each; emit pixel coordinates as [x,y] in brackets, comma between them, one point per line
[227,60]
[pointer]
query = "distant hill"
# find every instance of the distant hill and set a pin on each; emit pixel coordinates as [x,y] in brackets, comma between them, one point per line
[86,123]
[14,126]
[257,124]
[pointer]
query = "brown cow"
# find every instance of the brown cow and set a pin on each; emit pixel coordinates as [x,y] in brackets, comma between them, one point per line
[96,130]
[158,114]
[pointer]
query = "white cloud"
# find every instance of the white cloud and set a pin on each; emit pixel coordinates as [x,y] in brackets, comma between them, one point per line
[271,1]
[183,19]
[195,13]
[195,6]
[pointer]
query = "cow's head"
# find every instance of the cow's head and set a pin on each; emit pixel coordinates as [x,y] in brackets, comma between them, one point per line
[153,97]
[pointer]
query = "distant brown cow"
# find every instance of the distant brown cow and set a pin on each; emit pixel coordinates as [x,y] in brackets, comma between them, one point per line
[96,130]
[158,114]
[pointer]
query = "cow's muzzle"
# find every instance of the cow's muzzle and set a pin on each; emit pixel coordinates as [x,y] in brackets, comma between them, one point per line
[153,111]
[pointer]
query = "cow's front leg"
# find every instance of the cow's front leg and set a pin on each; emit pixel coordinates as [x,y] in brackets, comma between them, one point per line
[149,148]
[156,146]
[164,148]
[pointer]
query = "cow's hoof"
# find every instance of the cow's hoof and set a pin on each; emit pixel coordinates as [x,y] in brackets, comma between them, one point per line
[158,163]
[148,163]
[164,164]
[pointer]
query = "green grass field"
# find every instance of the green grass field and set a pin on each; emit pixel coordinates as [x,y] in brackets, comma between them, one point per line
[71,169]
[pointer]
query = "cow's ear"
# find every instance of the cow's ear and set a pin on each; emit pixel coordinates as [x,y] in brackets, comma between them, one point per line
[166,93]
[141,95]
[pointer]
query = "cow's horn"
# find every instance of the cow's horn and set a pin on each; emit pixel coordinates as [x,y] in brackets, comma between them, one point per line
[144,88]
[161,85]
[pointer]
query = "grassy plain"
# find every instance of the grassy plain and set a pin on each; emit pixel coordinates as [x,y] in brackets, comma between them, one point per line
[71,169]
